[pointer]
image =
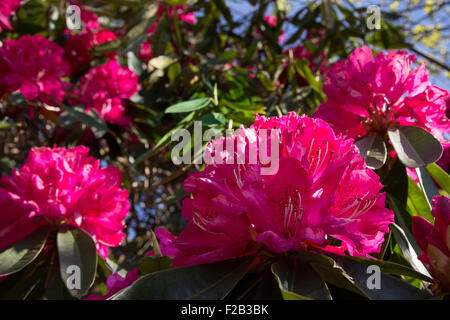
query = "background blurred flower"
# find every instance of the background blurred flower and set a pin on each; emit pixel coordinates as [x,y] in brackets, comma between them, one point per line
[104,88]
[7,7]
[33,66]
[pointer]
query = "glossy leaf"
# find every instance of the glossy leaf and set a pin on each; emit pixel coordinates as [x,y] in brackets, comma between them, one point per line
[299,281]
[373,149]
[415,147]
[188,106]
[77,258]
[209,282]
[440,176]
[23,252]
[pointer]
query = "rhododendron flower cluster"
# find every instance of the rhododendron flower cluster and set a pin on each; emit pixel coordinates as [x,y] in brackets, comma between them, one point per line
[321,196]
[33,66]
[7,7]
[370,94]
[77,45]
[104,88]
[63,186]
[435,242]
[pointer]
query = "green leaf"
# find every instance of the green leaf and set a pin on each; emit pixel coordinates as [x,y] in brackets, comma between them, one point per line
[440,176]
[208,281]
[427,184]
[154,263]
[415,147]
[331,272]
[393,268]
[391,288]
[76,249]
[373,149]
[302,67]
[417,201]
[161,37]
[214,118]
[162,62]
[299,281]
[409,248]
[91,119]
[188,106]
[23,252]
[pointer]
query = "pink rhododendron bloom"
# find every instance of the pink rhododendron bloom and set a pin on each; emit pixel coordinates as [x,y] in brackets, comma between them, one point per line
[435,242]
[104,88]
[63,186]
[77,46]
[321,194]
[272,21]
[7,7]
[115,283]
[370,94]
[33,66]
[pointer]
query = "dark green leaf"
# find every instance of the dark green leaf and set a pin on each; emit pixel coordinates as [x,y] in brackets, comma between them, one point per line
[373,149]
[391,288]
[298,280]
[209,281]
[415,147]
[154,263]
[427,184]
[77,257]
[23,252]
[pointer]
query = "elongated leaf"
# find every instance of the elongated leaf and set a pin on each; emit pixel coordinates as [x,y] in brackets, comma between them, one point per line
[299,281]
[417,201]
[373,149]
[331,272]
[22,253]
[415,147]
[77,260]
[441,177]
[427,185]
[188,106]
[390,287]
[161,37]
[209,281]
[302,67]
[393,268]
[91,119]
[409,248]
[154,263]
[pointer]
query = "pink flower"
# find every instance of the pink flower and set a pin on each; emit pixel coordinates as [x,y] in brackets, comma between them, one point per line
[57,186]
[321,191]
[115,283]
[105,88]
[435,242]
[7,7]
[369,94]
[33,66]
[272,22]
[77,46]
